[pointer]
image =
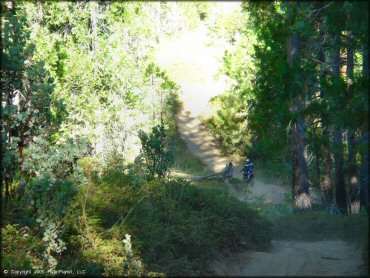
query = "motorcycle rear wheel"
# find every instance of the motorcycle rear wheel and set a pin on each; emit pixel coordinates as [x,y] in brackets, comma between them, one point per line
[248,180]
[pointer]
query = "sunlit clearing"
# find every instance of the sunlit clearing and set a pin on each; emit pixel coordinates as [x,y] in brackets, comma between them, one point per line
[193,60]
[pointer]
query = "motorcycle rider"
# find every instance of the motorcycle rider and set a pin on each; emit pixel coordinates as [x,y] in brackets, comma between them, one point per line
[228,171]
[248,169]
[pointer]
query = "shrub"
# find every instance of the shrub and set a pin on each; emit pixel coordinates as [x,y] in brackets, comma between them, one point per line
[51,196]
[91,167]
[20,249]
[154,152]
[175,225]
[180,224]
[59,160]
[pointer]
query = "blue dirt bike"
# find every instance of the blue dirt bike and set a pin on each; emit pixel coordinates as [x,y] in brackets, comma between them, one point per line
[248,177]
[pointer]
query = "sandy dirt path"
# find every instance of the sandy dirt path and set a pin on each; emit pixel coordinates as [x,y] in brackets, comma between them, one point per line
[294,258]
[192,65]
[201,144]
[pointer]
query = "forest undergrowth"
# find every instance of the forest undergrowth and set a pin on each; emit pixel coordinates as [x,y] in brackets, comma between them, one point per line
[174,224]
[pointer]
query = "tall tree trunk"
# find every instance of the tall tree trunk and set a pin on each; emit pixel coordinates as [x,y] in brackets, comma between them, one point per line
[93,25]
[10,89]
[365,171]
[1,151]
[354,193]
[352,165]
[317,165]
[339,168]
[299,163]
[365,137]
[20,149]
[338,138]
[326,184]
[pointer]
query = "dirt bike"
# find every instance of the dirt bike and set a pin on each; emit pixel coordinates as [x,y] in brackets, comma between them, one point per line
[248,178]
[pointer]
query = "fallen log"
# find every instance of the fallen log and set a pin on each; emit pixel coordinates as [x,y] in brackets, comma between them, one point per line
[224,174]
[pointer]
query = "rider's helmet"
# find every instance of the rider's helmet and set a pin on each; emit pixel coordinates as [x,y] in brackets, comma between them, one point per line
[248,161]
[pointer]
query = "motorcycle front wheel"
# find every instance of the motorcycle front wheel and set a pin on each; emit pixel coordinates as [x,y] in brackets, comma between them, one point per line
[248,180]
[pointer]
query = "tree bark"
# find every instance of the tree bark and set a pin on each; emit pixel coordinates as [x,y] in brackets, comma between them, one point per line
[352,165]
[338,139]
[365,171]
[364,175]
[317,165]
[299,164]
[93,25]
[353,173]
[327,183]
[8,92]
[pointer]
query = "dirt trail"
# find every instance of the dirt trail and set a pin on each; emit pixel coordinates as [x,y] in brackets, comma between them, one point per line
[292,258]
[201,144]
[192,65]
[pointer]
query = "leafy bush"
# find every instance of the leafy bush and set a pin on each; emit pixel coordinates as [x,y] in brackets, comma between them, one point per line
[190,222]
[176,224]
[154,152]
[54,246]
[116,256]
[183,162]
[51,196]
[91,167]
[59,160]
[20,249]
[101,252]
[229,125]
[137,174]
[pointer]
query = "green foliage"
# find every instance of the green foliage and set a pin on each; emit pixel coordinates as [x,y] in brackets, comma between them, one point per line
[274,211]
[116,256]
[175,224]
[54,246]
[26,89]
[230,125]
[226,25]
[51,197]
[183,162]
[154,152]
[20,249]
[202,9]
[194,13]
[91,167]
[99,88]
[256,114]
[99,251]
[59,159]
[137,173]
[80,82]
[105,255]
